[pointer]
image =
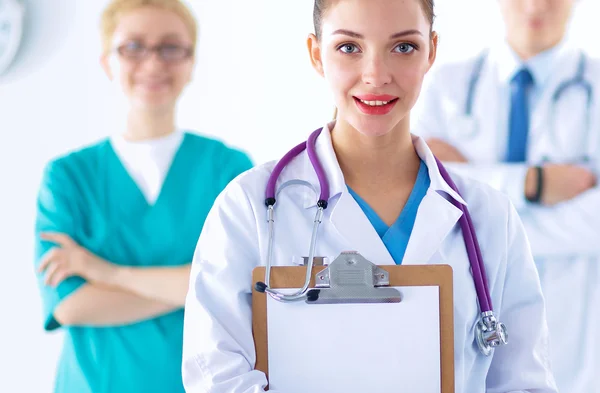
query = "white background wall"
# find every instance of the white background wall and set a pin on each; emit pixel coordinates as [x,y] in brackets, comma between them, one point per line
[253,81]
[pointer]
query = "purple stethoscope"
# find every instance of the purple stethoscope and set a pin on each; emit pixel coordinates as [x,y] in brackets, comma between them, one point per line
[489,332]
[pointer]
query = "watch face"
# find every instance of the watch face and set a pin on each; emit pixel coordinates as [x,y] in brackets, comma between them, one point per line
[11,24]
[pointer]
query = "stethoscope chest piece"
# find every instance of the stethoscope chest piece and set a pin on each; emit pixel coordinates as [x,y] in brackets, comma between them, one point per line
[490,333]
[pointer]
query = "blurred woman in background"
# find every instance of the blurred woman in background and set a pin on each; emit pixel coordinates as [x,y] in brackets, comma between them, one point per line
[117,222]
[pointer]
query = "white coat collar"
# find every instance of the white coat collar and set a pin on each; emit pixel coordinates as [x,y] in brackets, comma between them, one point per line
[541,66]
[335,177]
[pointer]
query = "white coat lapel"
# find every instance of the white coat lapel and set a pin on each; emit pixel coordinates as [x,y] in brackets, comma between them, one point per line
[436,218]
[353,225]
[564,69]
[488,130]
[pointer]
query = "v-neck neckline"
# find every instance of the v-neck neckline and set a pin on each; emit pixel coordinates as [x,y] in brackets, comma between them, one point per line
[165,184]
[412,199]
[373,216]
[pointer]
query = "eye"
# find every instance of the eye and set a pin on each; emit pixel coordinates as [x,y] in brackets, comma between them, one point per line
[171,49]
[171,52]
[348,48]
[405,48]
[131,49]
[133,45]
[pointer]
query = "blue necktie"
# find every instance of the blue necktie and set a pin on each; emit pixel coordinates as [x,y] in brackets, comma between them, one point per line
[519,116]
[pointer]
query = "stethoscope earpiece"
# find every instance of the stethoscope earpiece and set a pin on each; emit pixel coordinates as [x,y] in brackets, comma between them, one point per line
[260,287]
[313,295]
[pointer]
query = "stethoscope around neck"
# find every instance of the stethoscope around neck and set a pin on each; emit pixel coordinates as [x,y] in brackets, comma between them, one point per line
[576,81]
[489,332]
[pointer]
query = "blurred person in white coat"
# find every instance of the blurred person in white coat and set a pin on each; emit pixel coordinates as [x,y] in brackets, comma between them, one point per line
[523,117]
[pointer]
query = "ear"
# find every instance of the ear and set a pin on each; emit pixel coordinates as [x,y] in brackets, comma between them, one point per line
[190,76]
[314,50]
[105,63]
[433,46]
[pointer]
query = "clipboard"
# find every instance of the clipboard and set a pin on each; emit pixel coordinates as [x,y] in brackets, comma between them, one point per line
[385,278]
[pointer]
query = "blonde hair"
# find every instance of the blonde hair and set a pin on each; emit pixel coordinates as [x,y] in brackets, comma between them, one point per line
[116,8]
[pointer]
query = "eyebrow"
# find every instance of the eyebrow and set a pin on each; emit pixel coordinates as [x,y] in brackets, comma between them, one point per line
[392,37]
[171,36]
[168,36]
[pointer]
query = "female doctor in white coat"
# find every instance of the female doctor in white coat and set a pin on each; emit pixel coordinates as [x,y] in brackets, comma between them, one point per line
[388,201]
[523,117]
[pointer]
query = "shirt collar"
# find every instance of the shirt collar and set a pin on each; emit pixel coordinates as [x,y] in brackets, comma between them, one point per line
[541,66]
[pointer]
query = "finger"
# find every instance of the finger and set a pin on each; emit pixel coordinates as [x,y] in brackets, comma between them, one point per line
[48,257]
[52,270]
[58,238]
[60,276]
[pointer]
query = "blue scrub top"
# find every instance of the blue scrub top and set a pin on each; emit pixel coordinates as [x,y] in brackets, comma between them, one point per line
[90,196]
[395,237]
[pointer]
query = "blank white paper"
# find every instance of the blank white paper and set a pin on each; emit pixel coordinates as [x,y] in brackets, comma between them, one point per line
[356,348]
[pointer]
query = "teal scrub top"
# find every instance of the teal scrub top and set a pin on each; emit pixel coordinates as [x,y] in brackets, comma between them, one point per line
[395,237]
[90,196]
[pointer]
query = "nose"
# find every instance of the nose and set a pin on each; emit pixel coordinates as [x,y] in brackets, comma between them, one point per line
[376,71]
[153,61]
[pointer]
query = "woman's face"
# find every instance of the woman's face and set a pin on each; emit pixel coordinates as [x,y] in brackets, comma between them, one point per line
[374,55]
[152,60]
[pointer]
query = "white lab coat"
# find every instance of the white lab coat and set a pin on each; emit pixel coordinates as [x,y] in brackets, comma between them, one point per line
[218,352]
[565,238]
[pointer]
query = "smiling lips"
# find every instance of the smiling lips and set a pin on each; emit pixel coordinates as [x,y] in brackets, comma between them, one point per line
[152,84]
[374,104]
[536,23]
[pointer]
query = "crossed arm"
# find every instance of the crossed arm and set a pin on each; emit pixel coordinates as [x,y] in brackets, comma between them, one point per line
[565,223]
[113,294]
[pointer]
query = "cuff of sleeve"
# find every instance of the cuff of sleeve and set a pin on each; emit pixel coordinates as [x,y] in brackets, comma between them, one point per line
[51,324]
[515,186]
[53,296]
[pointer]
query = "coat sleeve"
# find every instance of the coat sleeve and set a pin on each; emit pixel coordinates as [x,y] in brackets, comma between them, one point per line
[571,228]
[523,365]
[218,346]
[429,119]
[507,178]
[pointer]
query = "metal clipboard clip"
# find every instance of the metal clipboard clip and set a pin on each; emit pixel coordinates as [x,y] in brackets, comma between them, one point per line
[351,278]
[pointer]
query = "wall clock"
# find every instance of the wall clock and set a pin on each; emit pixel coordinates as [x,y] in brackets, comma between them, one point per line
[12,13]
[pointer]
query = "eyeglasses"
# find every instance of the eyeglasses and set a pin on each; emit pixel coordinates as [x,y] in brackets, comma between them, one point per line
[169,53]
